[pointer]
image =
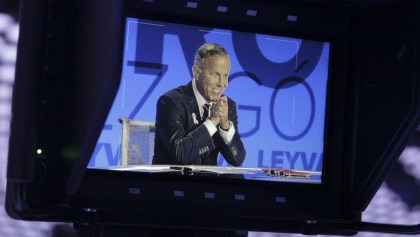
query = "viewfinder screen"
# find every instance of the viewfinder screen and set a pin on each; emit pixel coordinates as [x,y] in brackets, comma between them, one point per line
[279,85]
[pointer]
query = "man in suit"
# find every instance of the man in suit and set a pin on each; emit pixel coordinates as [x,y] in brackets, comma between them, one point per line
[195,122]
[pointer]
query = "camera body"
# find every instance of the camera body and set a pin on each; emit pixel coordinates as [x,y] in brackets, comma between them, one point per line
[68,75]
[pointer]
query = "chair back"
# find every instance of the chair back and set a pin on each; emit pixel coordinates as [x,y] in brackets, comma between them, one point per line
[137,142]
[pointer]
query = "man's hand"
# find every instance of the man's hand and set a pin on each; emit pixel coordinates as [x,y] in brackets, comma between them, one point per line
[219,113]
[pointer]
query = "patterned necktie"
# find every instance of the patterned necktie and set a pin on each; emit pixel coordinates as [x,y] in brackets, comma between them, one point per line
[206,108]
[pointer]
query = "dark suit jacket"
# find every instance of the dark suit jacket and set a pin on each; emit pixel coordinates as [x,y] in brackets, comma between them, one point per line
[180,141]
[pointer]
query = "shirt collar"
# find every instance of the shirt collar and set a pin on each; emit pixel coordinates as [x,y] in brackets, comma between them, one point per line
[200,99]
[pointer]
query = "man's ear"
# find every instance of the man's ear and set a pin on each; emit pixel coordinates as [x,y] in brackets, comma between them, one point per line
[195,71]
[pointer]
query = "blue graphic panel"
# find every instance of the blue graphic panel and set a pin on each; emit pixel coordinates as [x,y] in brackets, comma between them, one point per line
[278,83]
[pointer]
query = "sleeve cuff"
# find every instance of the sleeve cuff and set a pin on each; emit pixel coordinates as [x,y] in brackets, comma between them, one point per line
[210,127]
[227,135]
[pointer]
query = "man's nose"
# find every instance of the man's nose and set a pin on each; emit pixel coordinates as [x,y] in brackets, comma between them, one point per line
[220,82]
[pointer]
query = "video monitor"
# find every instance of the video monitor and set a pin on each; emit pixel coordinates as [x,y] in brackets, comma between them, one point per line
[308,97]
[279,85]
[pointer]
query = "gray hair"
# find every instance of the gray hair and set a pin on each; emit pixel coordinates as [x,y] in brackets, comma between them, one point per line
[207,50]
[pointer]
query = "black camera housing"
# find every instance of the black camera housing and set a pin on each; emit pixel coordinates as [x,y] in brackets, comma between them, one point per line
[67,74]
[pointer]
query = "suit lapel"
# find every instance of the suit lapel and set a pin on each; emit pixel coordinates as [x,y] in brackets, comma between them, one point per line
[194,111]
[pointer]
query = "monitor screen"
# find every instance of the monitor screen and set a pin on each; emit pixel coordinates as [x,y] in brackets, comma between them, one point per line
[279,85]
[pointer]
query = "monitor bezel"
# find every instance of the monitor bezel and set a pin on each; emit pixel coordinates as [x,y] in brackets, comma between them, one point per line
[328,193]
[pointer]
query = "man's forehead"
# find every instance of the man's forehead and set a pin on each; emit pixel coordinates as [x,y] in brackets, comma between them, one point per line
[216,59]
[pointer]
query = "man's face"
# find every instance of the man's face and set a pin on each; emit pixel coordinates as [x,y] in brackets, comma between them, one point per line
[212,78]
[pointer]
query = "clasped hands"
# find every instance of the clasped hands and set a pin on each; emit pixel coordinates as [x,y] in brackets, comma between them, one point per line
[219,113]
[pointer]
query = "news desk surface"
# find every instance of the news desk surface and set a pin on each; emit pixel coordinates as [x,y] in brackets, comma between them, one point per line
[265,174]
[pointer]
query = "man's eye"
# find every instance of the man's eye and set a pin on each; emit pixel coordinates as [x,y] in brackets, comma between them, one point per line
[214,74]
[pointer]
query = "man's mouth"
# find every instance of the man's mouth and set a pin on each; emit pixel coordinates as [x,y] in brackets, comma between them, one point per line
[216,90]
